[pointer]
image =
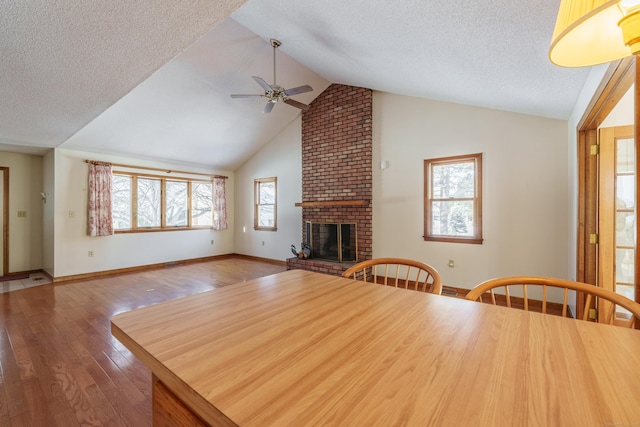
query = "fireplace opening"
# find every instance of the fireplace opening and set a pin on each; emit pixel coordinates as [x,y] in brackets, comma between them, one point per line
[332,241]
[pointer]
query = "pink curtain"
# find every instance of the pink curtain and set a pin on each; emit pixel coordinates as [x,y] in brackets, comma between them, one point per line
[100,217]
[219,204]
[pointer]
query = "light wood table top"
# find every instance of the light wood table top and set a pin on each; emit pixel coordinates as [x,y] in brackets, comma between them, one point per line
[301,348]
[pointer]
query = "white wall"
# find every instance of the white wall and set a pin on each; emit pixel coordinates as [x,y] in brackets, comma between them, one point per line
[526,196]
[282,158]
[25,233]
[525,193]
[121,250]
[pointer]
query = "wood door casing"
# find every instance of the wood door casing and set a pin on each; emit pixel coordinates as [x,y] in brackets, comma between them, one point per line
[620,76]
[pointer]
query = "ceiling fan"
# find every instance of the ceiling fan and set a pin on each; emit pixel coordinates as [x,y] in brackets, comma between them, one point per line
[275,93]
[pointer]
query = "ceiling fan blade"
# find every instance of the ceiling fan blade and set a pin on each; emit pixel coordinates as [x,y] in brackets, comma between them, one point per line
[297,90]
[294,103]
[268,107]
[240,95]
[262,83]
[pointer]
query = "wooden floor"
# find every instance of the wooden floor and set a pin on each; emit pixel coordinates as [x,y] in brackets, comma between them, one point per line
[59,364]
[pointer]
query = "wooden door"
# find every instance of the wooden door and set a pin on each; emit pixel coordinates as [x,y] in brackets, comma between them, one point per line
[616,214]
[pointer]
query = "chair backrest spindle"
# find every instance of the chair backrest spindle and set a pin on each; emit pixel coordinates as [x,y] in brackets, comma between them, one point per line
[607,300]
[398,272]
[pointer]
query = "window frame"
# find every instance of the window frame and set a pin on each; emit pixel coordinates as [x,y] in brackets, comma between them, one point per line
[191,204]
[476,159]
[163,203]
[187,201]
[257,204]
[136,202]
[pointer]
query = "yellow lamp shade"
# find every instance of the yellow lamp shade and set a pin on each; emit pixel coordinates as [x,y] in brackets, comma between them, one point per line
[590,32]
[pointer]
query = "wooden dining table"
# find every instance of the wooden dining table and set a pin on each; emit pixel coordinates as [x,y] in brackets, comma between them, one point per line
[300,348]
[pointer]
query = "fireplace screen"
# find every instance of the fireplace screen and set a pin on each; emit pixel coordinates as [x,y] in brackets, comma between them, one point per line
[332,241]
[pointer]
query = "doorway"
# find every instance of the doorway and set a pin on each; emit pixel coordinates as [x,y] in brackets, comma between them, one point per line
[603,256]
[4,220]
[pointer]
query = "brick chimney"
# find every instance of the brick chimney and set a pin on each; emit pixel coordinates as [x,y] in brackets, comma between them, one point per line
[337,168]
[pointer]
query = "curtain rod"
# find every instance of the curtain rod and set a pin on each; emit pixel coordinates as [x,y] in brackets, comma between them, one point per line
[95,162]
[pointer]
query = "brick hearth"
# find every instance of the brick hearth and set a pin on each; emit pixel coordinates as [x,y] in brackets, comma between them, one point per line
[319,265]
[337,146]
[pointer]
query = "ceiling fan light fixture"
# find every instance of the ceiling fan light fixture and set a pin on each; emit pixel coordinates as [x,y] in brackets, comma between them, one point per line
[591,32]
[275,93]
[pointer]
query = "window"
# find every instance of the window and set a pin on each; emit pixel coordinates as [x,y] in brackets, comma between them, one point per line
[121,191]
[177,203]
[265,204]
[453,199]
[149,195]
[148,203]
[201,202]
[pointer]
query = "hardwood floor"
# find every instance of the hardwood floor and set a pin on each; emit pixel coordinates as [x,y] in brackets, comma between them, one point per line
[59,364]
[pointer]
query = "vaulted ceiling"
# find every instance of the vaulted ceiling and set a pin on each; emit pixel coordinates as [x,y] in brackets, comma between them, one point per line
[152,79]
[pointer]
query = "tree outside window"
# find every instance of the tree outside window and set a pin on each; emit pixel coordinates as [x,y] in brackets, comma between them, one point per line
[453,202]
[265,204]
[177,203]
[145,203]
[121,190]
[201,203]
[149,197]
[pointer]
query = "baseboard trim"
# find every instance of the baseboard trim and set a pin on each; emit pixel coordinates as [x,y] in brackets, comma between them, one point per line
[282,263]
[168,264]
[46,273]
[136,269]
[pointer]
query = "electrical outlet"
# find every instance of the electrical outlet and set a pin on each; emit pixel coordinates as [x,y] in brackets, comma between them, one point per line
[90,254]
[451,263]
[22,214]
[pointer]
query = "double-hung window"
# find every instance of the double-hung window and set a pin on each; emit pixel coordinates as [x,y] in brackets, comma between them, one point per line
[265,204]
[453,199]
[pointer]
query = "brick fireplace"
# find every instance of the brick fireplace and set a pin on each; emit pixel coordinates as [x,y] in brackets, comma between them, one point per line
[337,169]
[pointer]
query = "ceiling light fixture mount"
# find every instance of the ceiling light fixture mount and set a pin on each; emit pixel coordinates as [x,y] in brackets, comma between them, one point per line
[591,32]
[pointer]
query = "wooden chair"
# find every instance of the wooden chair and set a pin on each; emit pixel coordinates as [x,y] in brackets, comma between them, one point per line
[608,298]
[398,272]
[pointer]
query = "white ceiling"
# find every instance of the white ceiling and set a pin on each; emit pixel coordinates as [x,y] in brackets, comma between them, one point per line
[152,79]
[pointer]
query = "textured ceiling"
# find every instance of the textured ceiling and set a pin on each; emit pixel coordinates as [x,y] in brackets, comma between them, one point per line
[101,76]
[492,54]
[184,112]
[65,61]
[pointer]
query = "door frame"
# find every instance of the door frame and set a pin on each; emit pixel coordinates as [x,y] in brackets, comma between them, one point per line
[616,82]
[5,220]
